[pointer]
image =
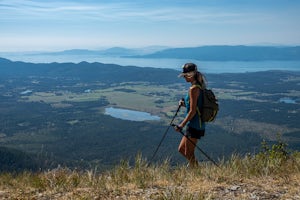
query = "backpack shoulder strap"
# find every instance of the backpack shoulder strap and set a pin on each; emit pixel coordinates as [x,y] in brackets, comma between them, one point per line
[197,85]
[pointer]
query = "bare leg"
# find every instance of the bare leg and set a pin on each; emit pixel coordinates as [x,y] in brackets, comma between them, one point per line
[187,149]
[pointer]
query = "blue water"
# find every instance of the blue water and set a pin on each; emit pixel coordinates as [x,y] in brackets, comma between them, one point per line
[204,66]
[130,114]
[287,100]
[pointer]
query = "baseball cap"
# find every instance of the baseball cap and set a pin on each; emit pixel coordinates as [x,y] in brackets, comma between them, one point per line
[188,69]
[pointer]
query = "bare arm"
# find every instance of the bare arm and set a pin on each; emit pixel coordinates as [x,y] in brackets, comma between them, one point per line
[194,94]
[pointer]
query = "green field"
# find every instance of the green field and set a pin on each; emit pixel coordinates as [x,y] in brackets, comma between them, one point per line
[155,99]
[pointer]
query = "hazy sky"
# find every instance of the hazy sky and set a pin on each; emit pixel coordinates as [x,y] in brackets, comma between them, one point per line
[27,25]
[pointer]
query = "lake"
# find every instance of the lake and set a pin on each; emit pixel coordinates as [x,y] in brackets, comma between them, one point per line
[204,66]
[130,114]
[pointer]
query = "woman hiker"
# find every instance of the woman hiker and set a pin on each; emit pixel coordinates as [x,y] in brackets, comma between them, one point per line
[195,128]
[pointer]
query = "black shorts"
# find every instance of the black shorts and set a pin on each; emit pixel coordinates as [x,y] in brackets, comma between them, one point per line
[194,133]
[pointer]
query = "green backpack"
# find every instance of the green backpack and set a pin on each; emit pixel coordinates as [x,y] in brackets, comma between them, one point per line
[210,106]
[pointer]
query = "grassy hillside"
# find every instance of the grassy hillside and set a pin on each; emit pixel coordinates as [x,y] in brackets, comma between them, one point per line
[271,174]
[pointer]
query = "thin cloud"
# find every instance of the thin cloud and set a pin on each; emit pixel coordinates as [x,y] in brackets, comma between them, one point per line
[31,9]
[138,22]
[114,12]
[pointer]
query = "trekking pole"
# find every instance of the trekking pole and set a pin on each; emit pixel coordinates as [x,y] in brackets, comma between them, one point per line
[209,158]
[154,154]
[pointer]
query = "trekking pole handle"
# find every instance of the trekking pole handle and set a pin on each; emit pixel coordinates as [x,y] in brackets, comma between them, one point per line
[178,127]
[181,102]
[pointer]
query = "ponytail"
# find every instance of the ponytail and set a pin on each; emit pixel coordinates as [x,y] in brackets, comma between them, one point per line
[200,79]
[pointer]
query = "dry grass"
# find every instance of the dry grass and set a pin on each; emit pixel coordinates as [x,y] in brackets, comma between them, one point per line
[238,178]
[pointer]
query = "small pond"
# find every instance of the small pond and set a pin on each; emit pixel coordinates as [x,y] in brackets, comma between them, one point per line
[26,92]
[130,114]
[287,100]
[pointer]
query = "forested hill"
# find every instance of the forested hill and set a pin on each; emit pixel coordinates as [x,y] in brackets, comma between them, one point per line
[109,73]
[230,53]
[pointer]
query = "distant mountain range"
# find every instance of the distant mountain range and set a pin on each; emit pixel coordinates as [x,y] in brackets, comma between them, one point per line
[230,53]
[114,51]
[207,53]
